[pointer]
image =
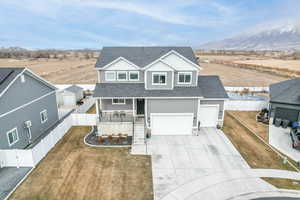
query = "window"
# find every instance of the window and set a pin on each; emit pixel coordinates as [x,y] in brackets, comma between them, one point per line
[110,76]
[22,78]
[185,77]
[159,78]
[44,116]
[118,101]
[133,76]
[122,76]
[12,136]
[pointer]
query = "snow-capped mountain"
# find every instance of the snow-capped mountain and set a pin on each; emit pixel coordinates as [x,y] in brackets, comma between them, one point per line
[268,37]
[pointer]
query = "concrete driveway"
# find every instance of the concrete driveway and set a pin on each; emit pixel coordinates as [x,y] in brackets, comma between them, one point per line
[177,160]
[280,139]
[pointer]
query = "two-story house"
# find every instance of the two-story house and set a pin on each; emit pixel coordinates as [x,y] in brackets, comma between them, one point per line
[160,86]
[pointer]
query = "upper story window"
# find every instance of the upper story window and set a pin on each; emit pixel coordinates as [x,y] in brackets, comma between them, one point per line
[185,77]
[44,116]
[12,136]
[134,76]
[159,78]
[110,76]
[122,76]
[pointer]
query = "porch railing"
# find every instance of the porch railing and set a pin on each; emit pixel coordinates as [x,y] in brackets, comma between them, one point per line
[116,117]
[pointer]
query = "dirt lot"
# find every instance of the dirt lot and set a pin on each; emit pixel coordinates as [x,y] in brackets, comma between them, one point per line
[75,171]
[66,71]
[254,151]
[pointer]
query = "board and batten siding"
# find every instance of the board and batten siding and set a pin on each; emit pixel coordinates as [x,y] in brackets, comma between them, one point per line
[21,93]
[103,80]
[194,79]
[30,112]
[215,102]
[172,106]
[169,80]
[108,106]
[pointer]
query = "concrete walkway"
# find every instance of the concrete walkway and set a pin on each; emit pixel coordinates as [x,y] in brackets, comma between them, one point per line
[229,184]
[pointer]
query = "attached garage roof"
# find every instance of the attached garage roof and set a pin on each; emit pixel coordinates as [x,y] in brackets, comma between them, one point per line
[141,56]
[208,87]
[287,92]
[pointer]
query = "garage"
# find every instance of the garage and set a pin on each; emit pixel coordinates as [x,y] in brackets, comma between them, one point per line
[208,115]
[171,123]
[69,100]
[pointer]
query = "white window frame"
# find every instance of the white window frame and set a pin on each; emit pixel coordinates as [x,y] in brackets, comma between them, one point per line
[159,73]
[185,73]
[122,103]
[17,136]
[122,72]
[136,72]
[106,74]
[44,111]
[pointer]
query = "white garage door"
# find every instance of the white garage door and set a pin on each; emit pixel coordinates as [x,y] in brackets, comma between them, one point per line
[208,115]
[171,123]
[69,100]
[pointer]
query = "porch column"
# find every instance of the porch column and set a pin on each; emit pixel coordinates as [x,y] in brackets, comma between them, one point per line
[97,107]
[133,107]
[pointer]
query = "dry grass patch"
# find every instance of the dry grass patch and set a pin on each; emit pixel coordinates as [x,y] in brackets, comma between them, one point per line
[284,183]
[75,171]
[92,110]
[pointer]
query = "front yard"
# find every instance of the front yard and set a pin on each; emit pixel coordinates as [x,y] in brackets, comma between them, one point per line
[75,171]
[254,151]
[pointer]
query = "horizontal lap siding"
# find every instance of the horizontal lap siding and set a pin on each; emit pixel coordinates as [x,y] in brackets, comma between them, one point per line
[30,112]
[168,81]
[172,106]
[107,105]
[214,102]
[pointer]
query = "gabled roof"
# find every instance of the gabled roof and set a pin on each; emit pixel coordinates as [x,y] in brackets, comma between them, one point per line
[208,87]
[74,88]
[9,74]
[141,56]
[287,92]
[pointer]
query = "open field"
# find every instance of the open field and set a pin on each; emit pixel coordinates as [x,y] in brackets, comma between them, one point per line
[65,71]
[254,151]
[75,171]
[81,71]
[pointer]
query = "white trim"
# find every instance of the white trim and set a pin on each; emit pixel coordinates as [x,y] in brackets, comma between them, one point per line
[173,77]
[146,113]
[105,75]
[159,73]
[146,68]
[138,73]
[46,116]
[40,79]
[116,60]
[24,105]
[112,101]
[184,73]
[98,75]
[120,72]
[12,130]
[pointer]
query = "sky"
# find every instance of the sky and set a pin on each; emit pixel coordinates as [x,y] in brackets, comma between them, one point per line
[76,24]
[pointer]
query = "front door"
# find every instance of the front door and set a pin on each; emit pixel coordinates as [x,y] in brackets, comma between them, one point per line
[140,106]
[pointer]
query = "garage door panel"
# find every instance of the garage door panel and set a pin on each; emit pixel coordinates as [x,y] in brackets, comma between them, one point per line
[171,124]
[208,115]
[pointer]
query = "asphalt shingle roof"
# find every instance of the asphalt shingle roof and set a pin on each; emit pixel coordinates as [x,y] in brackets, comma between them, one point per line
[74,88]
[8,75]
[141,56]
[287,92]
[208,87]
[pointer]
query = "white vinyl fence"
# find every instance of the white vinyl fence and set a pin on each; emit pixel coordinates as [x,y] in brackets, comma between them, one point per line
[244,105]
[251,89]
[87,104]
[31,157]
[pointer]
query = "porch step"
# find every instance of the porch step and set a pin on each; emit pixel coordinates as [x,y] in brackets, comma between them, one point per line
[139,134]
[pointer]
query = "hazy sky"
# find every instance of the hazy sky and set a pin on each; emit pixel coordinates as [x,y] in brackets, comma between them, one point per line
[69,24]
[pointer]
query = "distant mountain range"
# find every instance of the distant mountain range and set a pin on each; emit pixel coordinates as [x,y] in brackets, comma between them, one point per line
[280,37]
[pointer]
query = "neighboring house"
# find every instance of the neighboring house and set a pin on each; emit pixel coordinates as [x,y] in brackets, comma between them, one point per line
[27,107]
[159,86]
[285,101]
[70,95]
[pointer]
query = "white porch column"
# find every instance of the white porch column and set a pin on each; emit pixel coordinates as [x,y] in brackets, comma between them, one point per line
[133,107]
[97,107]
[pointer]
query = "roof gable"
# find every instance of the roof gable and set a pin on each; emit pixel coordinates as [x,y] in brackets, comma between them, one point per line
[141,56]
[121,64]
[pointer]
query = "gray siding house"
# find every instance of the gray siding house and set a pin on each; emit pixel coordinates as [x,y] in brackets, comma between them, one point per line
[285,101]
[27,107]
[158,86]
